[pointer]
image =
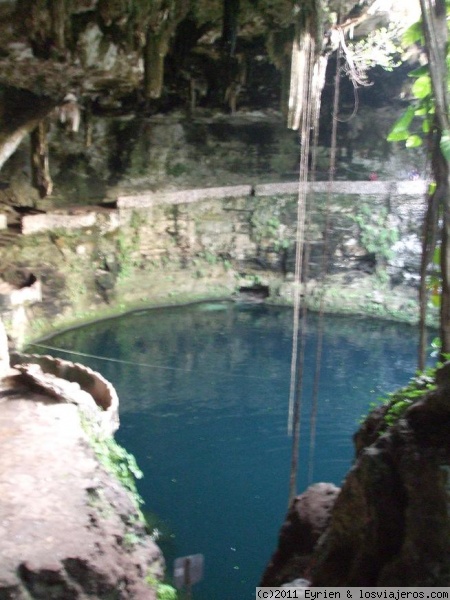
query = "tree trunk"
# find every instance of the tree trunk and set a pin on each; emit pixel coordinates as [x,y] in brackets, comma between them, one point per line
[430,234]
[39,160]
[434,16]
[445,267]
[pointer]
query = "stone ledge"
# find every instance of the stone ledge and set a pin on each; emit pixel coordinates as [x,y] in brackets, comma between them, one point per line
[182,196]
[67,528]
[109,220]
[74,383]
[375,188]
[106,219]
[44,222]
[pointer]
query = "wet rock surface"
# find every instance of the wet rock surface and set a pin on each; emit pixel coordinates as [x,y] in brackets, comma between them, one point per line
[305,522]
[390,523]
[68,530]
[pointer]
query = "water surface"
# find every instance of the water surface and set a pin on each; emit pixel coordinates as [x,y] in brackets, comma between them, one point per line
[204,393]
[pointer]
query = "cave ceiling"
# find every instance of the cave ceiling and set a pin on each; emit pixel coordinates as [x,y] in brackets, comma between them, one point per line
[93,48]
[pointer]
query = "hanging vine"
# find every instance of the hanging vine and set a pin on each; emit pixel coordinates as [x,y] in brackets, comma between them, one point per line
[307,80]
[311,50]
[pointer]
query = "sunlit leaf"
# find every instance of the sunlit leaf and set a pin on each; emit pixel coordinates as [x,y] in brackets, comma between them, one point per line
[436,343]
[398,136]
[436,300]
[414,141]
[426,126]
[400,130]
[422,87]
[445,144]
[413,34]
[437,256]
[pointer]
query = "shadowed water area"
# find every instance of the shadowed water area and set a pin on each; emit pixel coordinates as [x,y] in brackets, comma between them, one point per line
[204,398]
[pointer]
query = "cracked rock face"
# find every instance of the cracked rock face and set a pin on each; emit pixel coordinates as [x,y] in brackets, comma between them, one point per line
[68,529]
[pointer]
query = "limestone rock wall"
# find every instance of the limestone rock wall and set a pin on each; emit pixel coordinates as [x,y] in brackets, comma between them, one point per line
[113,155]
[166,247]
[94,260]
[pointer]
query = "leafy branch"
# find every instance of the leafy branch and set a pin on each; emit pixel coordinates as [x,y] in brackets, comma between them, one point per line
[376,237]
[424,105]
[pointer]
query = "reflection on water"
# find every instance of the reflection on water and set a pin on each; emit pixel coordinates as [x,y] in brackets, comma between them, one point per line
[204,393]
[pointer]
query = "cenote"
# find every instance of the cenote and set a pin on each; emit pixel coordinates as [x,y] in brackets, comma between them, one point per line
[204,395]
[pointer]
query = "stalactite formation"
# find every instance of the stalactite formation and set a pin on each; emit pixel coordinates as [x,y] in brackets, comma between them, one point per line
[39,160]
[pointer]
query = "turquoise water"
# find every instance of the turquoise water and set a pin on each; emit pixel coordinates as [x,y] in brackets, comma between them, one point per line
[204,398]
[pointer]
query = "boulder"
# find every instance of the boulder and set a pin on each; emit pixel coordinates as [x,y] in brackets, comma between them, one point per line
[305,522]
[391,524]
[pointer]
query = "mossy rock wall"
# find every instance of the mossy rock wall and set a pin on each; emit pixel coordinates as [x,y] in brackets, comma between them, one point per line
[172,253]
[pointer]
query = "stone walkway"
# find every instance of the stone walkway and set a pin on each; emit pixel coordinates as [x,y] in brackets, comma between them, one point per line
[63,519]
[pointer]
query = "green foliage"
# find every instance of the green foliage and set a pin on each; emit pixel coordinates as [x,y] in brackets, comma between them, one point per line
[434,280]
[436,347]
[378,48]
[287,149]
[208,257]
[406,128]
[376,236]
[164,591]
[400,130]
[398,402]
[251,280]
[420,385]
[138,219]
[413,35]
[128,241]
[119,463]
[421,88]
[383,277]
[270,229]
[283,244]
[177,169]
[130,540]
[401,400]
